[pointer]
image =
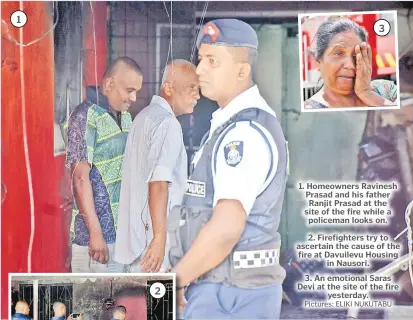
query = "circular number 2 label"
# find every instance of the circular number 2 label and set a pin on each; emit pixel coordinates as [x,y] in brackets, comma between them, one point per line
[382,27]
[157,290]
[18,19]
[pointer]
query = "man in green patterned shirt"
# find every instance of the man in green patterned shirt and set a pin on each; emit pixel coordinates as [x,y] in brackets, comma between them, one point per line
[97,133]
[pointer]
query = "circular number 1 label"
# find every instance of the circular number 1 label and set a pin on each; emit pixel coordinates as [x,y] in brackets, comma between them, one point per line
[18,19]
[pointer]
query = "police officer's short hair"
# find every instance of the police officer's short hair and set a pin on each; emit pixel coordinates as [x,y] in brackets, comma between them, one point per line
[252,58]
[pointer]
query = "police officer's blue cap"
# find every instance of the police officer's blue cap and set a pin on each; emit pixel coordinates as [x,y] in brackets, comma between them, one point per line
[228,32]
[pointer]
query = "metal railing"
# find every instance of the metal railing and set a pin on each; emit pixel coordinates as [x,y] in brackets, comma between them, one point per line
[162,308]
[47,295]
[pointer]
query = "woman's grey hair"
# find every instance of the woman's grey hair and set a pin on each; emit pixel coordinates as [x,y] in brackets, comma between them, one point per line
[329,29]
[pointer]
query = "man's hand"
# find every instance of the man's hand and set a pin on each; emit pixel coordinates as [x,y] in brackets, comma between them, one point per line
[98,249]
[158,206]
[66,192]
[180,299]
[67,205]
[153,258]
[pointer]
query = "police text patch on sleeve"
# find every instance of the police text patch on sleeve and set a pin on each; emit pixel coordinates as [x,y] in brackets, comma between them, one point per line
[233,153]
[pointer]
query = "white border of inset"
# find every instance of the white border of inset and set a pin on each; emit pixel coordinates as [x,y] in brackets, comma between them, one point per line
[94,275]
[301,15]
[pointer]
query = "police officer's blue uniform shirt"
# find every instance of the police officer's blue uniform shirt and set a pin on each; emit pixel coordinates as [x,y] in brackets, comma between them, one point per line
[243,157]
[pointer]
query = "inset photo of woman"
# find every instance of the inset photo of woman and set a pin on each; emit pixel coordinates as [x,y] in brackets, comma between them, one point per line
[349,61]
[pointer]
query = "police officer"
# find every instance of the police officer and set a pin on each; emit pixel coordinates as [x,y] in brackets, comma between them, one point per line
[224,239]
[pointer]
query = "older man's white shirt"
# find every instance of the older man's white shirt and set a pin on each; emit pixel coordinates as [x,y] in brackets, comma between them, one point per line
[155,151]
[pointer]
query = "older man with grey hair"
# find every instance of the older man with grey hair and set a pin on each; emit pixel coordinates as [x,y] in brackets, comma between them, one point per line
[155,171]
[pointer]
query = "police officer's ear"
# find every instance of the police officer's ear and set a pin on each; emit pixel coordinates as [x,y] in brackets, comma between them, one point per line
[244,71]
[167,88]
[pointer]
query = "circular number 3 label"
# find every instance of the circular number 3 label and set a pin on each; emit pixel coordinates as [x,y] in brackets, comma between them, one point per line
[382,27]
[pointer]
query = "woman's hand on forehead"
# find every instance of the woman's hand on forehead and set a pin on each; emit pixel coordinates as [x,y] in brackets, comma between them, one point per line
[363,69]
[365,50]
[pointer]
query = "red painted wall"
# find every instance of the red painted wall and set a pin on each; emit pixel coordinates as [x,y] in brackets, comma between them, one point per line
[50,247]
[100,12]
